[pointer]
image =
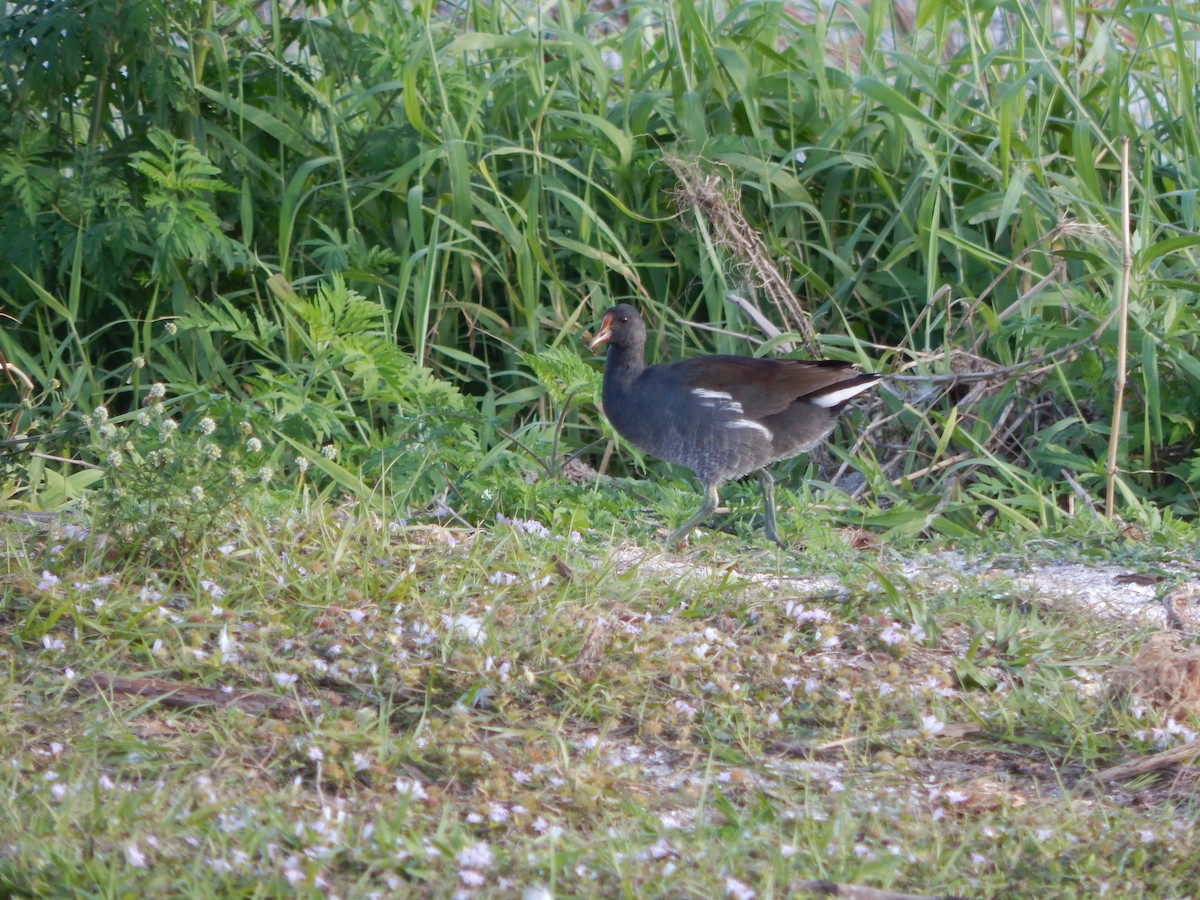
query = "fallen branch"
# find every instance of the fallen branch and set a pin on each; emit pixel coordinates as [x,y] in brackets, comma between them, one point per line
[1184,754]
[950,731]
[186,696]
[856,892]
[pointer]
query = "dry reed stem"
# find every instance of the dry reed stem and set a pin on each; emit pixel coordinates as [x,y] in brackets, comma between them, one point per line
[1114,437]
[711,198]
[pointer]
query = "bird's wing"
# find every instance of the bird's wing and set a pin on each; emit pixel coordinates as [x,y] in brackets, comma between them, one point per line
[764,387]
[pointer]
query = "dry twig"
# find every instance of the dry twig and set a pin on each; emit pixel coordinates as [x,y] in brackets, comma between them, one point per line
[1114,437]
[186,696]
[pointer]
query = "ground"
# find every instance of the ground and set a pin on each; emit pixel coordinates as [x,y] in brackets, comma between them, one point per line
[350,708]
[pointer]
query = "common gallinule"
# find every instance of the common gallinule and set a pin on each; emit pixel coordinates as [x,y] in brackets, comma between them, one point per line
[720,416]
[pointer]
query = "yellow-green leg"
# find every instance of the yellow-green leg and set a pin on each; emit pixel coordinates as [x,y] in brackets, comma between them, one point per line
[767,483]
[710,503]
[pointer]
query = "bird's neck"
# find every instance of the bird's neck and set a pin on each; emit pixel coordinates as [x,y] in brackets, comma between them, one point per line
[623,366]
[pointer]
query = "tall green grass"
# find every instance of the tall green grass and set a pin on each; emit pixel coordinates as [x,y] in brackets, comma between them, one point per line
[941,197]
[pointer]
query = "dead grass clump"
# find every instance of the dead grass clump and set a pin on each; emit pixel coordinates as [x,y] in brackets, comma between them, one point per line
[1165,675]
[717,202]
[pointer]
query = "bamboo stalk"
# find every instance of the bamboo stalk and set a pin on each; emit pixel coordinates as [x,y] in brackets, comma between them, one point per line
[1114,437]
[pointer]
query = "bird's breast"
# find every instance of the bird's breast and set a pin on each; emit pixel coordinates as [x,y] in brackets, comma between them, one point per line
[706,430]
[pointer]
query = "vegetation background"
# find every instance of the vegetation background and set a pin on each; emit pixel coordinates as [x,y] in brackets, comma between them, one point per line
[259,258]
[367,220]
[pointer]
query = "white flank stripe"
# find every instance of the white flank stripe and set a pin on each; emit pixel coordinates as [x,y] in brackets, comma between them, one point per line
[747,423]
[718,400]
[833,398]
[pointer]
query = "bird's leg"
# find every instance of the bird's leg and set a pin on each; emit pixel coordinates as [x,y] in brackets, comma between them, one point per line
[710,503]
[767,483]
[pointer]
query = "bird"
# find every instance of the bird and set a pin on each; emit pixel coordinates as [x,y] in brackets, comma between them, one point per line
[722,416]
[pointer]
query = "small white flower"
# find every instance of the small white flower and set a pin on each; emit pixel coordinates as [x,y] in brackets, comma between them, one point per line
[49,580]
[100,414]
[683,707]
[498,812]
[228,646]
[207,425]
[265,474]
[476,856]
[212,452]
[158,390]
[302,464]
[802,614]
[253,445]
[470,628]
[196,493]
[114,458]
[931,725]
[329,451]
[134,856]
[738,890]
[171,328]
[284,679]
[213,589]
[139,362]
[411,789]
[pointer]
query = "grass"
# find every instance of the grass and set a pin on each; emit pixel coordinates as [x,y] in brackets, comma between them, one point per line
[491,711]
[469,186]
[350,258]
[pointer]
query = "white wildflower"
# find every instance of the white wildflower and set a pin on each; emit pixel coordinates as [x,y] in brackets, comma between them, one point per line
[931,725]
[476,856]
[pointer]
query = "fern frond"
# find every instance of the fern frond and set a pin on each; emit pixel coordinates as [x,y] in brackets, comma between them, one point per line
[564,374]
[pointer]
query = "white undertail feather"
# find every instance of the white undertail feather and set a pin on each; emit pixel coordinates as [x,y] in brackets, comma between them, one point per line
[835,398]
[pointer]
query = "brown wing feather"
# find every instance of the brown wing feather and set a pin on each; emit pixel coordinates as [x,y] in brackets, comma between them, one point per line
[763,387]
